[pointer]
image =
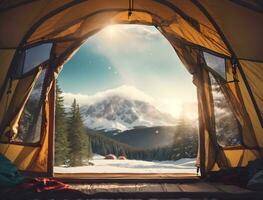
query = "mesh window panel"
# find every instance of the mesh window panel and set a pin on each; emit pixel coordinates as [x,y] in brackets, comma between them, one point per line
[31,58]
[36,55]
[31,118]
[216,63]
[227,127]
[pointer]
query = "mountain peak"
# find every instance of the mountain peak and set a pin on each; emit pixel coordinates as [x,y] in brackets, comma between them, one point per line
[119,113]
[121,108]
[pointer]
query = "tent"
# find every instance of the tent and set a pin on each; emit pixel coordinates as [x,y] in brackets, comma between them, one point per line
[110,157]
[219,42]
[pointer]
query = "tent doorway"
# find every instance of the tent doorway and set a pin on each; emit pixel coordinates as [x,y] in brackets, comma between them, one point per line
[136,103]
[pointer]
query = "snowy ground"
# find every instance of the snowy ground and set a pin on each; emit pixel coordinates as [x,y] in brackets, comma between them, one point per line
[185,165]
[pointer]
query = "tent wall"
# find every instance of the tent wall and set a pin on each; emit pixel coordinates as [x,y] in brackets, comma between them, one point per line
[253,75]
[223,28]
[242,27]
[35,158]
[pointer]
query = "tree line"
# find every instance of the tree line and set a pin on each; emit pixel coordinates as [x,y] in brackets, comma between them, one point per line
[183,147]
[72,144]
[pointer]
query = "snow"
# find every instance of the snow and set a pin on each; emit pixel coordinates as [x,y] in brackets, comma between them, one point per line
[184,165]
[104,124]
[121,113]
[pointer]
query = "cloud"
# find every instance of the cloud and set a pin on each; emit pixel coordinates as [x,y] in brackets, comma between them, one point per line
[143,32]
[125,91]
[170,105]
[136,31]
[82,99]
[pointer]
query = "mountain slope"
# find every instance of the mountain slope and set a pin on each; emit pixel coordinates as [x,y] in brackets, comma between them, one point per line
[146,137]
[120,113]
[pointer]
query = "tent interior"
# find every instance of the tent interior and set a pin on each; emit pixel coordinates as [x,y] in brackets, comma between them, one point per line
[219,43]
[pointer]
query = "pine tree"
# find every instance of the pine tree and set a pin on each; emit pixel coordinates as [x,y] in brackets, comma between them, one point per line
[61,134]
[86,147]
[79,142]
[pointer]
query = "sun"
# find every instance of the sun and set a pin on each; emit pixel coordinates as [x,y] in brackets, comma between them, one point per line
[178,110]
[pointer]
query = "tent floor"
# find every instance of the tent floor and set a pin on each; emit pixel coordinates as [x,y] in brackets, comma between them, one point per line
[153,186]
[186,189]
[196,190]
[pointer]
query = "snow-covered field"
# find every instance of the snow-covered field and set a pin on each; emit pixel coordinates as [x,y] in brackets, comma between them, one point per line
[185,165]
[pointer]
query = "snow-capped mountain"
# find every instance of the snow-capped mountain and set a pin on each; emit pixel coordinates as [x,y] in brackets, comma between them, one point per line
[121,112]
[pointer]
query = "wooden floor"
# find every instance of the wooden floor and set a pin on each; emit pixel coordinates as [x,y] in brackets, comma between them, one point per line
[198,190]
[125,177]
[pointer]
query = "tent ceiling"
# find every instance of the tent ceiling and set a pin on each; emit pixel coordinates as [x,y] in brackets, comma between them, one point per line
[236,21]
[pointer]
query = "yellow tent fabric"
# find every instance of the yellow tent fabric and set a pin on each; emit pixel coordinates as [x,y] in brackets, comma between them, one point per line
[229,29]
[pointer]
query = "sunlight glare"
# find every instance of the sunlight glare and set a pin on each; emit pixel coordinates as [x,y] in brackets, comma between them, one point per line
[191,115]
[110,31]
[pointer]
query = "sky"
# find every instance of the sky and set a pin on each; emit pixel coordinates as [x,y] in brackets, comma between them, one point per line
[132,58]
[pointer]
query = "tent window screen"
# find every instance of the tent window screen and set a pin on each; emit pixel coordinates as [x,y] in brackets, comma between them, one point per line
[32,57]
[227,127]
[31,118]
[217,64]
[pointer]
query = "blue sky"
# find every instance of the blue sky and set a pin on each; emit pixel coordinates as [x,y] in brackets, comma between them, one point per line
[131,55]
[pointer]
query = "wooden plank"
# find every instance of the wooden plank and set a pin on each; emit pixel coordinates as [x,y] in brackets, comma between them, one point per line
[230,188]
[147,190]
[79,178]
[171,187]
[86,188]
[198,187]
[97,188]
[178,176]
[147,187]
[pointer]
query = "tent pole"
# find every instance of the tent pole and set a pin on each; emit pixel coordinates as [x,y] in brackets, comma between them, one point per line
[51,132]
